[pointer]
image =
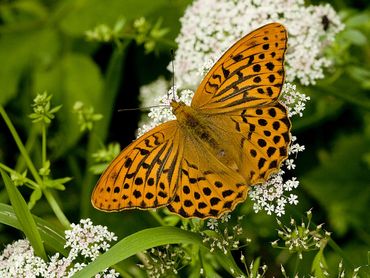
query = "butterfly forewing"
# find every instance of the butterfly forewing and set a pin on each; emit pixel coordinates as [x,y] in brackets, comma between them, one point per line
[249,74]
[145,174]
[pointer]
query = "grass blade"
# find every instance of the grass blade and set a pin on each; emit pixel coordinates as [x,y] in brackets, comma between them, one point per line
[24,216]
[50,235]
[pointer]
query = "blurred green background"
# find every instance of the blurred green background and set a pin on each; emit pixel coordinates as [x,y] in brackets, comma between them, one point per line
[43,47]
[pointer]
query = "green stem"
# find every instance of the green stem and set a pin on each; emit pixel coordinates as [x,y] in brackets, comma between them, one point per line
[20,146]
[52,202]
[32,136]
[43,144]
[298,260]
[157,217]
[56,208]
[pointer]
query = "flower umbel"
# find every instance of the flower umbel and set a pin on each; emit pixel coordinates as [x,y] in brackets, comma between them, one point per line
[85,116]
[223,237]
[104,156]
[85,240]
[88,240]
[301,238]
[42,111]
[209,27]
[18,260]
[164,261]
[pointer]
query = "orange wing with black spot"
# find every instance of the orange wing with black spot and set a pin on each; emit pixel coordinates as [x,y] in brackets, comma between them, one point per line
[143,175]
[249,74]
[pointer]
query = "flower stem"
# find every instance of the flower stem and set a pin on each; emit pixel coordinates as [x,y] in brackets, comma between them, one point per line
[20,146]
[43,144]
[157,217]
[52,202]
[56,208]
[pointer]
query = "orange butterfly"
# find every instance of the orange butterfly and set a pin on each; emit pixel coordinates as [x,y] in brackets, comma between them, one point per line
[235,134]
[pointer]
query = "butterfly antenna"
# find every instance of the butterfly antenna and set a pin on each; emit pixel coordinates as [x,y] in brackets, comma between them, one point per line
[173,73]
[141,108]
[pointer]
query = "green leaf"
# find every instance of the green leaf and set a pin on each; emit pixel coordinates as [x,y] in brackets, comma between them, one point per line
[340,183]
[358,20]
[24,216]
[51,236]
[317,262]
[57,183]
[256,266]
[355,36]
[138,242]
[146,239]
[358,73]
[35,196]
[21,50]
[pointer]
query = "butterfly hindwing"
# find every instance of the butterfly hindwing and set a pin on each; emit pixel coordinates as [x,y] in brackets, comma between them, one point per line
[249,74]
[207,187]
[143,175]
[261,135]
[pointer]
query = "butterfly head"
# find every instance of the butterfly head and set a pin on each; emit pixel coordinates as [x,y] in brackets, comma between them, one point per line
[176,105]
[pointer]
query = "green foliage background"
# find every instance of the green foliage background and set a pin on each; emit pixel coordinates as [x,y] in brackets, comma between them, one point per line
[43,48]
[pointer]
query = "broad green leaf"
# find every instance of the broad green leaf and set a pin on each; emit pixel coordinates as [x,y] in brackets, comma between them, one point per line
[359,20]
[24,216]
[340,183]
[20,51]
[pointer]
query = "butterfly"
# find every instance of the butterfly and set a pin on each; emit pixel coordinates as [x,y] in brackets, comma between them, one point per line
[235,134]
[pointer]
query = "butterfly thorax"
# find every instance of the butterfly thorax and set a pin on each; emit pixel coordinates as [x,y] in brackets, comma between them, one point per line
[195,124]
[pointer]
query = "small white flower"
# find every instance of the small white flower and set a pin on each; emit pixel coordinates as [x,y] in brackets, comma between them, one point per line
[290,164]
[270,209]
[212,224]
[293,199]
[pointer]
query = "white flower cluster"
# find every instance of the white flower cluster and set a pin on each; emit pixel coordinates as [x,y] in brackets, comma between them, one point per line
[18,260]
[293,100]
[209,27]
[88,240]
[84,239]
